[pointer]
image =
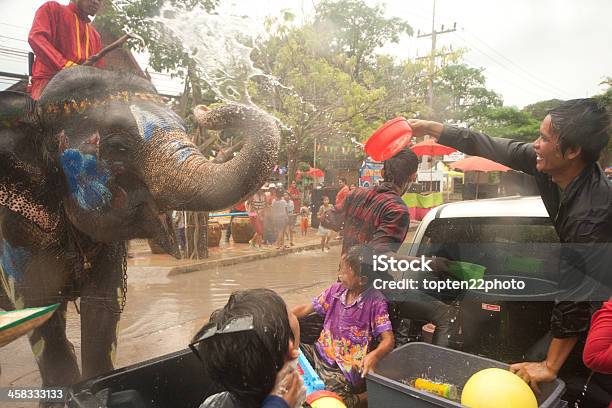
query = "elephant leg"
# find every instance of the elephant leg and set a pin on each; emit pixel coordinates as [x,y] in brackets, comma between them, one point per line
[53,352]
[100,304]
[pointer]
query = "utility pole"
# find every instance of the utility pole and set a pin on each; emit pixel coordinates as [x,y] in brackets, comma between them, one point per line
[314,163]
[432,57]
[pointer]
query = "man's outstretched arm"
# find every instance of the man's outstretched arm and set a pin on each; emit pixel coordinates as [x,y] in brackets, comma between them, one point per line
[517,155]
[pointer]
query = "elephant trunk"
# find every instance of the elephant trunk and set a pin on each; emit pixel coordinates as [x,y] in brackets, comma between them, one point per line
[181,178]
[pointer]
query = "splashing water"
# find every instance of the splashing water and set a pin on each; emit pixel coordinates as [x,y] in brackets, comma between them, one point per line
[219,43]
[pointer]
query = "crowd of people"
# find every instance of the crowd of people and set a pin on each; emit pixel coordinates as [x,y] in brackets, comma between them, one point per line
[376,220]
[274,212]
[250,345]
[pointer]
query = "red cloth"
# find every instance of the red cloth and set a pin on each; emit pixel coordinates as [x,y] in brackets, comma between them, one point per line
[257,224]
[60,37]
[295,194]
[341,196]
[597,353]
[240,206]
[376,216]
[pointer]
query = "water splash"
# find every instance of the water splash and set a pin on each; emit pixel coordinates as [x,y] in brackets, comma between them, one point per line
[221,45]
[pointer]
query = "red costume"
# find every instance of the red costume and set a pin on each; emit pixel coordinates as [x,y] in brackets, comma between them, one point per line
[61,36]
[295,194]
[597,353]
[342,195]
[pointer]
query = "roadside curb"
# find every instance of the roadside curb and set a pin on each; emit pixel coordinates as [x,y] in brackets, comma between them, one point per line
[208,264]
[218,263]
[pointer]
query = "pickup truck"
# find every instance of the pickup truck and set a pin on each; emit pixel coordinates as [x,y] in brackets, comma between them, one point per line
[501,234]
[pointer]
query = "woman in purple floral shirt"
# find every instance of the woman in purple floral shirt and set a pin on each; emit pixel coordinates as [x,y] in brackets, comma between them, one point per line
[355,316]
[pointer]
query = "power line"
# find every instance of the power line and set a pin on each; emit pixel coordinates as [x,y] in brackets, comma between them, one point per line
[432,65]
[14,49]
[504,66]
[13,25]
[515,64]
[13,38]
[505,79]
[14,53]
[11,58]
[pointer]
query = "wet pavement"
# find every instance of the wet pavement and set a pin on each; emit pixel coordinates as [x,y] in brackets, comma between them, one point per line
[166,305]
[163,312]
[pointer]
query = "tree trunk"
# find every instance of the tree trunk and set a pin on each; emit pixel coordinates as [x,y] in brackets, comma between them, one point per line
[293,157]
[196,226]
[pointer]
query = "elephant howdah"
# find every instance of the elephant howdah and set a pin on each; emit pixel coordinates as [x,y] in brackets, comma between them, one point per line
[101,159]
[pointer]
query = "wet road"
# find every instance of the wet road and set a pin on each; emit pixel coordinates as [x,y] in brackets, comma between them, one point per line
[162,313]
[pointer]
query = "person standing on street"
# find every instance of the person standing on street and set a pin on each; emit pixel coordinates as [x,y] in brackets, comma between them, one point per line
[322,231]
[296,195]
[379,218]
[62,37]
[291,217]
[280,218]
[342,193]
[578,198]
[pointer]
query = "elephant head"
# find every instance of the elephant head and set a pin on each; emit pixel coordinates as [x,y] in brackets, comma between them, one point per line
[106,149]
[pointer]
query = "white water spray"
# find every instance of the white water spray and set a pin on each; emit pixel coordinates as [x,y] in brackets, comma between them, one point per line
[220,45]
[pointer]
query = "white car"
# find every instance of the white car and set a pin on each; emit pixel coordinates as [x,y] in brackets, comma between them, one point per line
[510,236]
[505,215]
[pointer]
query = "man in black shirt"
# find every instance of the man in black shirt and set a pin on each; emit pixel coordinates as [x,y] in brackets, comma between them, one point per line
[577,196]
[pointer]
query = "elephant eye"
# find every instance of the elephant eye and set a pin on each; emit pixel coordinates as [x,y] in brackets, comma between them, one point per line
[117,144]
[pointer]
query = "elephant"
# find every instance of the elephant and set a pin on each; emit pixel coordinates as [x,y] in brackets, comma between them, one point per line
[91,164]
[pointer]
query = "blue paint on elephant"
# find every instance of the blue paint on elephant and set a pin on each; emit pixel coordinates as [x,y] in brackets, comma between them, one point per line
[184,154]
[149,122]
[183,149]
[86,179]
[14,260]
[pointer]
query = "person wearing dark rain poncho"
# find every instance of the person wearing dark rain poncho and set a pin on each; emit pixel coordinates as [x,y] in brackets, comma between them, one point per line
[250,348]
[578,198]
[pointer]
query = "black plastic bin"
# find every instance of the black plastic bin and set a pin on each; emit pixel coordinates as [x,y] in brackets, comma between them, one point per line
[175,380]
[412,360]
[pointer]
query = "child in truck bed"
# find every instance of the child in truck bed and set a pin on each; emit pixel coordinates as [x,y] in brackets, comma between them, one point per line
[355,316]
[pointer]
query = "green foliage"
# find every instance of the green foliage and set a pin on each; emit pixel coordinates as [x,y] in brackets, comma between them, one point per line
[318,100]
[356,30]
[606,98]
[540,109]
[461,95]
[166,53]
[509,122]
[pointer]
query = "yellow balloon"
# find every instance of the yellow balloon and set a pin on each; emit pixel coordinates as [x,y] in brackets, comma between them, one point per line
[327,402]
[497,388]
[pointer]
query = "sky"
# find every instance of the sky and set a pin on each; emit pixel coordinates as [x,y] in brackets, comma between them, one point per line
[530,50]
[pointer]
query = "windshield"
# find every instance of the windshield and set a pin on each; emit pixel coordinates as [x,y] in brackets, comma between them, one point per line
[505,246]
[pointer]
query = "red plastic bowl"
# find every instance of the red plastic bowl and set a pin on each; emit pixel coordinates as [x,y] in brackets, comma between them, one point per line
[389,139]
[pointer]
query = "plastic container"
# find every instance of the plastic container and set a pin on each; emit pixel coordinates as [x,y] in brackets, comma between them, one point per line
[466,270]
[389,139]
[173,380]
[413,360]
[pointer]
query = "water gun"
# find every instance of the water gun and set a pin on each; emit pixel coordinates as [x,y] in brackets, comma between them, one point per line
[312,382]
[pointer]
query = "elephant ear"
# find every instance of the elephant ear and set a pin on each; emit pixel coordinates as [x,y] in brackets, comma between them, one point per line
[22,178]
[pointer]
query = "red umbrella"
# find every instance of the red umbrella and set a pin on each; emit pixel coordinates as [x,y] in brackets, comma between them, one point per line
[315,172]
[476,163]
[479,164]
[429,147]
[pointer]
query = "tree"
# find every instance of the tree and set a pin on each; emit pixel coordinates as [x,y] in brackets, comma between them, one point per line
[461,94]
[606,98]
[509,122]
[317,99]
[540,109]
[166,53]
[354,29]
